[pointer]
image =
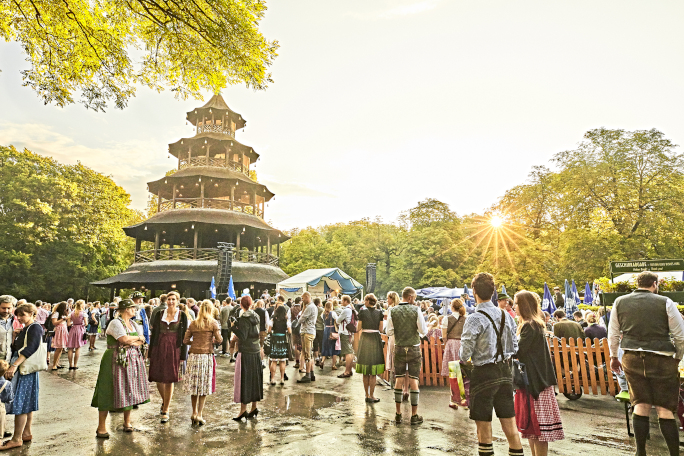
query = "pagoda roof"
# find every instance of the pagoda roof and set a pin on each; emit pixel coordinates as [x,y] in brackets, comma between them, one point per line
[205,216]
[211,172]
[216,104]
[177,271]
[212,138]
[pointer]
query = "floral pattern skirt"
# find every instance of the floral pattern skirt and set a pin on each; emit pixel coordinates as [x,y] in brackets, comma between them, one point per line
[200,375]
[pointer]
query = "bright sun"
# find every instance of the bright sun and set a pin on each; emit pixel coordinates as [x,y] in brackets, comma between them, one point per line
[496,221]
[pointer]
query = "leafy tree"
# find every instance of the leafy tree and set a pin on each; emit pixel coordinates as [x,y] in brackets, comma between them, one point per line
[61,226]
[76,46]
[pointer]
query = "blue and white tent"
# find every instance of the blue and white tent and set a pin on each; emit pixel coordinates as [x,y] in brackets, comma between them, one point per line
[423,292]
[319,282]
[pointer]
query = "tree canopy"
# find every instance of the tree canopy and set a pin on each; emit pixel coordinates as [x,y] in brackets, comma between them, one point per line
[61,227]
[618,196]
[99,50]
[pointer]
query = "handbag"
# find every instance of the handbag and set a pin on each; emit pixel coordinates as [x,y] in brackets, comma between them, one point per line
[525,415]
[37,361]
[351,326]
[334,336]
[520,380]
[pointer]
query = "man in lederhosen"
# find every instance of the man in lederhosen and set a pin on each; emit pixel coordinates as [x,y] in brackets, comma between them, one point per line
[646,321]
[406,323]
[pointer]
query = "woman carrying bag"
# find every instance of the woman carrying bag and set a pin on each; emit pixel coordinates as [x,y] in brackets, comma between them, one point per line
[28,358]
[536,404]
[122,380]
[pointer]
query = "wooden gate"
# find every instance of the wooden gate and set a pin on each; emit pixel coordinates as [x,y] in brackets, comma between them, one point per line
[583,366]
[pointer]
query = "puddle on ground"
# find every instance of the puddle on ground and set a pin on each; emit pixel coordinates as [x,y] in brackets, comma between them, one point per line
[307,404]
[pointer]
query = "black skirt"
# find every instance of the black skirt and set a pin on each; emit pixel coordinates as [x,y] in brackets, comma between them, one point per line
[251,378]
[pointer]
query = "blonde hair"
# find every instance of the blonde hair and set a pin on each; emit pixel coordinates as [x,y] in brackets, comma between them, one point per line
[394,296]
[433,321]
[78,307]
[528,308]
[591,318]
[205,317]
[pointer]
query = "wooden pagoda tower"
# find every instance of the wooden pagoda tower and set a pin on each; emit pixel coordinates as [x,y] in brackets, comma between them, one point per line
[211,199]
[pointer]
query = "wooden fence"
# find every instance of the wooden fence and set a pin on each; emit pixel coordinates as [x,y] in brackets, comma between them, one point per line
[582,366]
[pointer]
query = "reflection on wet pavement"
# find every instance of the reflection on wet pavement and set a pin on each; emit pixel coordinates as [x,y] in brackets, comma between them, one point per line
[325,417]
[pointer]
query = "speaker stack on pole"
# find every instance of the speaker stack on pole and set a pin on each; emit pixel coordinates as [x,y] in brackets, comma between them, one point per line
[370,277]
[225,269]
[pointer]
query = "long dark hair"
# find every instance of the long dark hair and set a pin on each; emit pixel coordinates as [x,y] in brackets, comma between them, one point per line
[61,310]
[529,309]
[280,313]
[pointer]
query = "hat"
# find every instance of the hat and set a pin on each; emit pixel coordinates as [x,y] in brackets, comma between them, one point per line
[503,296]
[125,304]
[136,295]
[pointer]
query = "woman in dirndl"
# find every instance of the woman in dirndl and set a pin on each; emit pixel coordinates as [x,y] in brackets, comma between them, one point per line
[539,395]
[279,328]
[122,380]
[200,376]
[61,333]
[249,376]
[75,340]
[26,387]
[167,350]
[371,359]
[330,336]
[452,328]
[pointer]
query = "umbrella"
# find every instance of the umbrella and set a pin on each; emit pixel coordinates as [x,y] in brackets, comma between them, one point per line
[567,294]
[423,292]
[466,292]
[449,293]
[575,296]
[231,289]
[588,296]
[547,303]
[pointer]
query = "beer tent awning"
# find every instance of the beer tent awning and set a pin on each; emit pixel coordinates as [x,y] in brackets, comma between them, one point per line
[319,282]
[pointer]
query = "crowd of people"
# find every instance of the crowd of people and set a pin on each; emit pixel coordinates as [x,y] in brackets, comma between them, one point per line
[172,339]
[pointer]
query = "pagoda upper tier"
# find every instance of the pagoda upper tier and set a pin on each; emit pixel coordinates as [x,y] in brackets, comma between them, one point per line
[216,117]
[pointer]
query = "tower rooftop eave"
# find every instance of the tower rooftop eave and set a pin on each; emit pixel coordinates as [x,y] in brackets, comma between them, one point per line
[217,105]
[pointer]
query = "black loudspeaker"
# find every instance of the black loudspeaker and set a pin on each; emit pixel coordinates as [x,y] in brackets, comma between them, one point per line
[225,267]
[370,277]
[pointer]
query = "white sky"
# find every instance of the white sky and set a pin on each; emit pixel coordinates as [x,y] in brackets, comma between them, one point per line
[377,105]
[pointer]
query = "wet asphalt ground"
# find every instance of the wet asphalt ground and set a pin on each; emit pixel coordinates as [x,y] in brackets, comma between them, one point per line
[328,416]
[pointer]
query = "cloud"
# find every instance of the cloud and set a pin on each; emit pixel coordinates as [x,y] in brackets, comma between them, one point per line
[131,163]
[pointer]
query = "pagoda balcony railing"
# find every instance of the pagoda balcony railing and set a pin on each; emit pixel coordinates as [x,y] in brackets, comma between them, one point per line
[185,253]
[212,128]
[210,203]
[213,161]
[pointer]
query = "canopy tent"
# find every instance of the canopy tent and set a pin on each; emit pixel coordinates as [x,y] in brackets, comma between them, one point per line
[423,292]
[448,293]
[319,282]
[631,276]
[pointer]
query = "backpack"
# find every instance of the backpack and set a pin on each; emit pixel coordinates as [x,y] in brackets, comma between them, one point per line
[49,326]
[296,326]
[351,326]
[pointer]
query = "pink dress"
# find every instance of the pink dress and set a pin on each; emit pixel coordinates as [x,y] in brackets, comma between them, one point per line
[60,339]
[75,338]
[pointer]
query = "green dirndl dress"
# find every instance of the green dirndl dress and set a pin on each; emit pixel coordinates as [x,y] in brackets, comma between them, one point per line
[371,358]
[122,380]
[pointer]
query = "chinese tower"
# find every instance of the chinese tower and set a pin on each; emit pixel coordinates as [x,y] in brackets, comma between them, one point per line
[209,220]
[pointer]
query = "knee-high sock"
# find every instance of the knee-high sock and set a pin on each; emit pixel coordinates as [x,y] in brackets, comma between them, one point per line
[485,449]
[397,395]
[641,424]
[512,452]
[414,397]
[670,432]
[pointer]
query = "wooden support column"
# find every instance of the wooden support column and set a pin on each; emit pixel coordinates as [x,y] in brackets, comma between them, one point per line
[254,202]
[237,241]
[241,162]
[157,237]
[189,154]
[278,249]
[268,244]
[138,242]
[174,196]
[159,199]
[202,194]
[232,196]
[194,252]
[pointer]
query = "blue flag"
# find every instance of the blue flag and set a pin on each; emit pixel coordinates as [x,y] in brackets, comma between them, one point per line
[547,302]
[231,289]
[495,298]
[503,289]
[588,296]
[212,288]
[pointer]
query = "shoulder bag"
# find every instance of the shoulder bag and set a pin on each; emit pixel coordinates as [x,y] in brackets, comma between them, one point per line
[37,361]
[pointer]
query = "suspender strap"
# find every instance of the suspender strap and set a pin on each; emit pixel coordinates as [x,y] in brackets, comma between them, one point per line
[499,333]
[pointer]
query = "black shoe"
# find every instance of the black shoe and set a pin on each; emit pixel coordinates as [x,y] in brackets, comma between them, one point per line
[232,360]
[286,377]
[252,414]
[416,419]
[313,377]
[304,380]
[397,418]
[242,415]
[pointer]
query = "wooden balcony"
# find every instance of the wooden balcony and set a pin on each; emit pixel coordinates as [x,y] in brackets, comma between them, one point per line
[244,256]
[215,128]
[203,160]
[210,203]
